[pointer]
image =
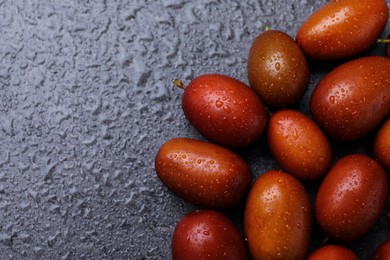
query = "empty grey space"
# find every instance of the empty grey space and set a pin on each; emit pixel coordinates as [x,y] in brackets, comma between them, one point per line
[86,100]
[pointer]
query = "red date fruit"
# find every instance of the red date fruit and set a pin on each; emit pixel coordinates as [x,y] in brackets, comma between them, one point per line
[277,218]
[277,69]
[224,110]
[203,173]
[207,234]
[354,98]
[298,145]
[351,197]
[382,144]
[333,252]
[382,252]
[343,28]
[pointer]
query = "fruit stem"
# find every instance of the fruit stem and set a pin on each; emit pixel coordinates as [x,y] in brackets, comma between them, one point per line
[179,83]
[383,41]
[266,28]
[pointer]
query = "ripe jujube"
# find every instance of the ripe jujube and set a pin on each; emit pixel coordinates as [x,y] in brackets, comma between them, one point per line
[224,110]
[207,234]
[203,173]
[351,197]
[277,69]
[342,29]
[354,98]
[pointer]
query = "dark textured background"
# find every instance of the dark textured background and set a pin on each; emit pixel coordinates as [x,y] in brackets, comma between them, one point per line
[86,100]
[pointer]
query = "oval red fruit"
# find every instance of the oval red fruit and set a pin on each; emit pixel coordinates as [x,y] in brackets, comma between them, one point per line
[224,110]
[203,173]
[277,218]
[382,144]
[277,69]
[382,252]
[298,144]
[354,98]
[333,252]
[351,197]
[343,28]
[207,234]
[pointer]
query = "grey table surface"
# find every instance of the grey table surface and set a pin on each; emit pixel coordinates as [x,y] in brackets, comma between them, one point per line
[86,100]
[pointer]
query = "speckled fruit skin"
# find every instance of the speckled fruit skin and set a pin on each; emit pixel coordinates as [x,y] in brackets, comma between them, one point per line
[343,28]
[203,173]
[277,69]
[351,197]
[298,144]
[382,252]
[277,218]
[224,110]
[382,144]
[207,234]
[333,252]
[353,98]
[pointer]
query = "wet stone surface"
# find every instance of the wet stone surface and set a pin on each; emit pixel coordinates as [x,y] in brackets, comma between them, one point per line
[86,100]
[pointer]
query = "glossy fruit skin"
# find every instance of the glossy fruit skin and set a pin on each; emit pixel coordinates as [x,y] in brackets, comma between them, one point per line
[277,69]
[207,234]
[353,98]
[298,144]
[203,173]
[224,110]
[382,252]
[351,197]
[277,218]
[382,144]
[333,252]
[343,28]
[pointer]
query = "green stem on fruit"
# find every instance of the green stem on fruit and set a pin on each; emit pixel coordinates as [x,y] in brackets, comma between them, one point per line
[383,41]
[179,83]
[266,28]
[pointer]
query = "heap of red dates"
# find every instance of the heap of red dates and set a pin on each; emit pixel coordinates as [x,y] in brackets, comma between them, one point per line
[348,103]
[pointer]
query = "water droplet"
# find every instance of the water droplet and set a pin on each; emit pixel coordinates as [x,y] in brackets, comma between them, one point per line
[218,104]
[277,66]
[227,109]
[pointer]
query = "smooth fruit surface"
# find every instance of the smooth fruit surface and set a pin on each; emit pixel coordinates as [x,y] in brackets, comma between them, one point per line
[351,197]
[343,28]
[277,218]
[224,110]
[382,252]
[203,173]
[333,252]
[277,69]
[353,98]
[298,144]
[382,144]
[207,234]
